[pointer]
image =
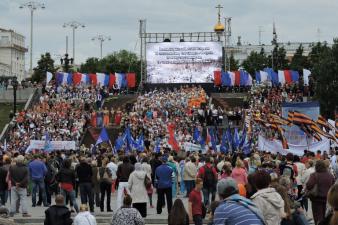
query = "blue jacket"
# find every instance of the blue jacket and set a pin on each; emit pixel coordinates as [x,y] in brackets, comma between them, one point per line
[163,175]
[37,169]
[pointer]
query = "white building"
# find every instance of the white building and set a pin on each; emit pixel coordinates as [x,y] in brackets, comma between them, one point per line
[241,52]
[12,54]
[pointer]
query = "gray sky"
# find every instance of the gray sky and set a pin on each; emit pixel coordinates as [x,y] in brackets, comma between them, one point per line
[296,20]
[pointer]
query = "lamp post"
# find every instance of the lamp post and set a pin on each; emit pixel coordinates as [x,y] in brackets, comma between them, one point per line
[65,61]
[15,84]
[101,38]
[32,6]
[74,25]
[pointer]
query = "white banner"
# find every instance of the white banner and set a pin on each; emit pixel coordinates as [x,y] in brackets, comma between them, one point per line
[190,147]
[54,145]
[183,62]
[275,146]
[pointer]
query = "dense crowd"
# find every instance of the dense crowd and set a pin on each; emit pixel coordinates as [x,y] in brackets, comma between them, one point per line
[233,187]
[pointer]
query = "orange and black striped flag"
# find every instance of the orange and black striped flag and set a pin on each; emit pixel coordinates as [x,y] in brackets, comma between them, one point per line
[278,120]
[321,121]
[301,118]
[290,116]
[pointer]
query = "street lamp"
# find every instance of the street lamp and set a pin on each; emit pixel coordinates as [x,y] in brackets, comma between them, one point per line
[66,62]
[32,6]
[74,25]
[101,38]
[14,84]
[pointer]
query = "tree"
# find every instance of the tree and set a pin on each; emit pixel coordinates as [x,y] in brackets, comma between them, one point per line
[299,61]
[90,66]
[234,64]
[278,59]
[325,75]
[45,63]
[255,62]
[316,52]
[122,61]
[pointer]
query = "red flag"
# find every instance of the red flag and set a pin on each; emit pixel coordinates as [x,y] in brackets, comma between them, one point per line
[172,141]
[131,80]
[93,78]
[288,77]
[77,78]
[217,78]
[237,78]
[112,79]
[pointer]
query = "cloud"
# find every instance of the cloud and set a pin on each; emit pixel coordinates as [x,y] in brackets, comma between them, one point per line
[295,21]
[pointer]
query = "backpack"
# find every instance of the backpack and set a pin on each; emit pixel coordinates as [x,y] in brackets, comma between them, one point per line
[105,175]
[209,179]
[288,171]
[50,177]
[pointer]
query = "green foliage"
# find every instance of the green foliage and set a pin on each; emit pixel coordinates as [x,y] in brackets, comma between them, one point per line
[45,63]
[234,64]
[255,61]
[278,59]
[299,61]
[121,61]
[316,52]
[325,75]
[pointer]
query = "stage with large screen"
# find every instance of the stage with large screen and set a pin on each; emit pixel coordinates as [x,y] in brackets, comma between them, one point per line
[183,62]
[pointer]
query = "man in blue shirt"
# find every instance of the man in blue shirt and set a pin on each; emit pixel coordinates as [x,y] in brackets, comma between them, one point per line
[235,209]
[163,180]
[37,172]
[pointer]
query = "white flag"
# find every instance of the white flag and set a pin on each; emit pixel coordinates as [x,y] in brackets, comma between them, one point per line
[49,76]
[306,74]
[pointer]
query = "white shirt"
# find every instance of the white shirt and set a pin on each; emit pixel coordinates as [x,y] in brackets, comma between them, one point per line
[113,169]
[84,218]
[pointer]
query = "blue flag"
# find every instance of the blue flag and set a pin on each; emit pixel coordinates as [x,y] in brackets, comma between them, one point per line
[157,145]
[196,135]
[235,143]
[243,137]
[224,144]
[48,145]
[247,147]
[127,139]
[119,143]
[140,143]
[229,136]
[212,139]
[103,137]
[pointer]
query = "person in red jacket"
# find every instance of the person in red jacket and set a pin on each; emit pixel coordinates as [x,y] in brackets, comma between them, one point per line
[208,174]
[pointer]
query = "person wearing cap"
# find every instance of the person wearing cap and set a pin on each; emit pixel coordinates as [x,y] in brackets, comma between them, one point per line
[163,178]
[18,175]
[233,208]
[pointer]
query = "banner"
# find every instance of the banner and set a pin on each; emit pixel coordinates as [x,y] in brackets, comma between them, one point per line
[183,62]
[190,147]
[294,135]
[54,145]
[275,146]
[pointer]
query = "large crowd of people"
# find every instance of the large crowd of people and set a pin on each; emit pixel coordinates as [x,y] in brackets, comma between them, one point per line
[232,187]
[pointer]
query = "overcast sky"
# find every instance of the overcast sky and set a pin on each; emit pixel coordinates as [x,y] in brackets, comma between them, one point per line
[296,20]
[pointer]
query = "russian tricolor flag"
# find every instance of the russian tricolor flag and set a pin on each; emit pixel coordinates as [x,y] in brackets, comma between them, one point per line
[261,76]
[121,80]
[232,78]
[287,76]
[102,79]
[63,78]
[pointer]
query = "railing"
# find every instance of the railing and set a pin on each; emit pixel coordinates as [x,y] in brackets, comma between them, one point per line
[33,99]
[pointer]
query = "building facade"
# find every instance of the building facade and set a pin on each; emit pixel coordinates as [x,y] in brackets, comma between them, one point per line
[241,52]
[12,54]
